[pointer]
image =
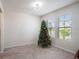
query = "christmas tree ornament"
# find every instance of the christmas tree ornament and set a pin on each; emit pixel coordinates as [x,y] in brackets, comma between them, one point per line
[44,38]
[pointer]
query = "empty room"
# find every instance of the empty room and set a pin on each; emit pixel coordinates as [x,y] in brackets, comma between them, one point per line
[39,29]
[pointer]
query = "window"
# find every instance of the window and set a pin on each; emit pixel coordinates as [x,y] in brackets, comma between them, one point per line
[65,27]
[51,27]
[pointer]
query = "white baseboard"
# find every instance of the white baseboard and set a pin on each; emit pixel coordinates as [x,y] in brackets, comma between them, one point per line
[16,46]
[65,49]
[53,45]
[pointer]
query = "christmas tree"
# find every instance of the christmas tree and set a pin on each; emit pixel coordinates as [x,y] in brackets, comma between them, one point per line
[44,38]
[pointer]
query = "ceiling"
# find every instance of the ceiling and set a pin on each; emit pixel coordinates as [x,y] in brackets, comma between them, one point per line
[26,6]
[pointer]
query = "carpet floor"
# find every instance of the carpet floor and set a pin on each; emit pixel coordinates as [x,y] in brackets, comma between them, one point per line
[34,52]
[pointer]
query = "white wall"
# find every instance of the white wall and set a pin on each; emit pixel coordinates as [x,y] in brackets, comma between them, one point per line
[72,44]
[20,29]
[2,27]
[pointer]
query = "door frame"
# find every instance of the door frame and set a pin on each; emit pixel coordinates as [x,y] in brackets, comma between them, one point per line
[2,33]
[2,27]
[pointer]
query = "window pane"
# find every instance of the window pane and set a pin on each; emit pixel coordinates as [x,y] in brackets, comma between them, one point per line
[51,26]
[51,23]
[65,20]
[65,33]
[62,18]
[68,23]
[61,21]
[61,24]
[68,33]
[61,34]
[52,32]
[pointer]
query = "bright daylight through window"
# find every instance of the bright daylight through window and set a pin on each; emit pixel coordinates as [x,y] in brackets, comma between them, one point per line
[51,26]
[65,27]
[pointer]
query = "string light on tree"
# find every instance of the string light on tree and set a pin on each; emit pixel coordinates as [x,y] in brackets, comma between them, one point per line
[44,38]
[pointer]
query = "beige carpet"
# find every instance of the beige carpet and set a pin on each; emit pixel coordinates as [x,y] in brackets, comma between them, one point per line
[34,52]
